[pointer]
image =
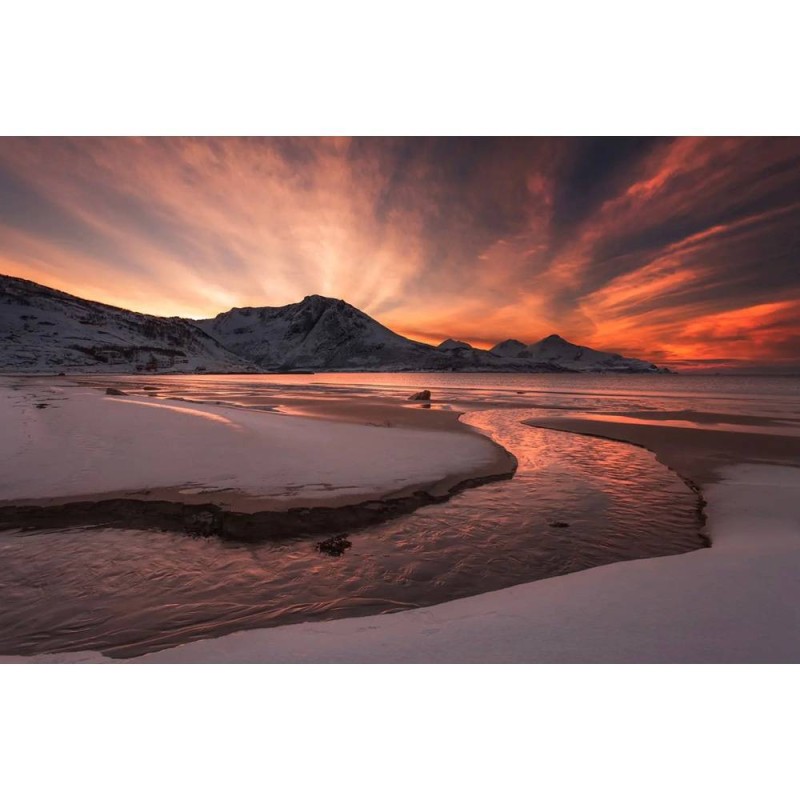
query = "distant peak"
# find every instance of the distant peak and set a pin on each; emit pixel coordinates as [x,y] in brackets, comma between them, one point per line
[453,344]
[553,340]
[318,298]
[320,302]
[509,347]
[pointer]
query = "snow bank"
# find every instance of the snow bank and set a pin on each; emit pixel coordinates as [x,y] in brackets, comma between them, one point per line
[84,443]
[734,602]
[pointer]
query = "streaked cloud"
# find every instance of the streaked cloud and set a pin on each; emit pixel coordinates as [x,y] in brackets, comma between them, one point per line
[678,250]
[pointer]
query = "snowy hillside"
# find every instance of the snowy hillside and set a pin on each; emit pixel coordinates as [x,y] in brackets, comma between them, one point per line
[555,350]
[320,333]
[44,330]
[448,345]
[510,348]
[316,333]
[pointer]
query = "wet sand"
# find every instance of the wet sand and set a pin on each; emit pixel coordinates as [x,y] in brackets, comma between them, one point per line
[698,454]
[703,417]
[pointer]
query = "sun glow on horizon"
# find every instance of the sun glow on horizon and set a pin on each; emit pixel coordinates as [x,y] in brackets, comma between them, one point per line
[674,251]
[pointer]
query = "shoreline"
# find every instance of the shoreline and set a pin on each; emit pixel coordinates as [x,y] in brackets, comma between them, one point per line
[347,502]
[721,523]
[732,603]
[209,519]
[497,537]
[698,455]
[695,487]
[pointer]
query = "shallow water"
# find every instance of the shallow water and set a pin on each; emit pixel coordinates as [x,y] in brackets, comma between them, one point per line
[779,428]
[130,592]
[763,396]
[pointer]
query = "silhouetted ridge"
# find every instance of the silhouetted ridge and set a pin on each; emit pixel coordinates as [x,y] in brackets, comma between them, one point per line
[42,330]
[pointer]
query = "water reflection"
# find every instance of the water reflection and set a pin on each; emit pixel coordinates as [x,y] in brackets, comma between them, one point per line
[762,396]
[129,592]
[768,427]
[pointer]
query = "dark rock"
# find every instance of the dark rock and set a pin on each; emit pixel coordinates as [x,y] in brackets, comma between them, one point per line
[41,405]
[149,388]
[425,394]
[202,520]
[62,374]
[425,405]
[334,546]
[115,392]
[559,524]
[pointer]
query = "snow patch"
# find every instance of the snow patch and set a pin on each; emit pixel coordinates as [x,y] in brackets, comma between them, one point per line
[86,443]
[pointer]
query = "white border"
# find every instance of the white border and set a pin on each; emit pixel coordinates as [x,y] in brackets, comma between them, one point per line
[412,68]
[437,68]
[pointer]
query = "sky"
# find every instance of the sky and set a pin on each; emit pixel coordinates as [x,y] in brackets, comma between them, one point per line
[683,251]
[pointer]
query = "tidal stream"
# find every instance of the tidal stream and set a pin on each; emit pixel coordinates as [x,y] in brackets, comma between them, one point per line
[574,503]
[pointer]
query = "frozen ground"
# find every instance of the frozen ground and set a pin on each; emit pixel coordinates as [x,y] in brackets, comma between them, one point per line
[83,443]
[734,602]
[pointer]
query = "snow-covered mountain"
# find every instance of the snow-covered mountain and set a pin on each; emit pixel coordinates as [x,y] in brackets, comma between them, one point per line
[510,348]
[316,333]
[576,358]
[321,334]
[44,330]
[448,345]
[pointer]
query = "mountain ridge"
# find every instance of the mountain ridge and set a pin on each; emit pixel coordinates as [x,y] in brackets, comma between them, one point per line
[44,329]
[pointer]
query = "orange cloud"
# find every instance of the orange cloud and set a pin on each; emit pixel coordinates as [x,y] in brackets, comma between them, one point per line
[686,253]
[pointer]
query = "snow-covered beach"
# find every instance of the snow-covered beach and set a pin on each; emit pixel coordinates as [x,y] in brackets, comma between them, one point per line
[735,602]
[732,602]
[65,442]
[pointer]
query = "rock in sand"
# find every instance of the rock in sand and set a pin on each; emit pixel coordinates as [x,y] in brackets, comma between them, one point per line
[335,546]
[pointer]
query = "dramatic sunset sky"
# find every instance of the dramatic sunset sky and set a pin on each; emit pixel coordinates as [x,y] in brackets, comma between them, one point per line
[682,251]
